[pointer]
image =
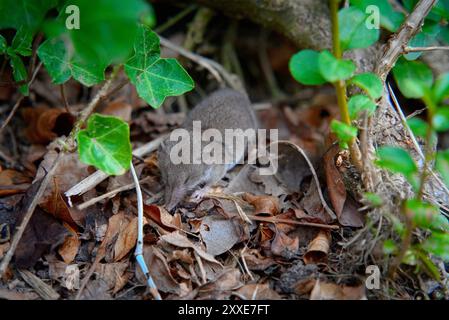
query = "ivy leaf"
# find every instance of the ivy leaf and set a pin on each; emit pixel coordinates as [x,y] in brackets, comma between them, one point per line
[418,126]
[344,132]
[389,18]
[21,43]
[28,14]
[304,68]
[425,215]
[438,244]
[53,53]
[360,103]
[370,83]
[19,72]
[440,119]
[442,165]
[397,160]
[353,30]
[441,88]
[414,78]
[333,69]
[105,144]
[3,44]
[155,78]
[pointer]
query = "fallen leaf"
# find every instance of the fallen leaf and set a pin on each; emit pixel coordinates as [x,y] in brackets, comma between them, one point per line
[332,291]
[118,109]
[12,182]
[256,291]
[318,248]
[70,247]
[126,240]
[256,261]
[221,287]
[285,246]
[113,274]
[334,180]
[219,234]
[162,217]
[263,204]
[72,277]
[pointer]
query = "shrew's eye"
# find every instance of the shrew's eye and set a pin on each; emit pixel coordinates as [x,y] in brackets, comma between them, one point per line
[202,184]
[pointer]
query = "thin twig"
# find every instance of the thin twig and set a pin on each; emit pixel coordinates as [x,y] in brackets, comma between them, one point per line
[139,247]
[287,221]
[419,49]
[64,99]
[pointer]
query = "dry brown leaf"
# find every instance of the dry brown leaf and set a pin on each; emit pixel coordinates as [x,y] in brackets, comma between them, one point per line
[119,109]
[12,182]
[70,247]
[162,217]
[257,291]
[318,248]
[113,274]
[126,240]
[334,180]
[256,261]
[332,291]
[221,287]
[219,234]
[285,246]
[45,124]
[263,204]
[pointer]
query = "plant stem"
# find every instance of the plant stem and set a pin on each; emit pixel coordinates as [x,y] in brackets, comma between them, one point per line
[340,87]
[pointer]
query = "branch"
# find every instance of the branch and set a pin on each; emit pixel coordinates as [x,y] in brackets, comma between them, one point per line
[419,49]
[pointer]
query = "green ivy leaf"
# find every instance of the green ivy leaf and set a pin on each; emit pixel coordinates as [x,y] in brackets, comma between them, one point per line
[359,103]
[333,69]
[304,68]
[344,132]
[418,126]
[370,83]
[438,244]
[21,43]
[398,160]
[353,30]
[105,144]
[53,53]
[441,88]
[440,119]
[414,78]
[3,44]
[28,14]
[442,165]
[155,78]
[425,215]
[389,18]
[19,72]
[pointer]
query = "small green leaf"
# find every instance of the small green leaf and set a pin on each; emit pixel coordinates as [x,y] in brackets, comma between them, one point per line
[19,72]
[419,126]
[389,18]
[304,68]
[414,78]
[441,88]
[390,247]
[425,215]
[398,160]
[21,43]
[359,103]
[410,258]
[105,144]
[333,69]
[155,78]
[344,132]
[442,165]
[3,44]
[438,244]
[370,83]
[353,29]
[440,119]
[53,53]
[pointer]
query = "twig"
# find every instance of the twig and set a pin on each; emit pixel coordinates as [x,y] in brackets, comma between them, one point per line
[287,221]
[139,247]
[418,49]
[173,20]
[64,99]
[70,140]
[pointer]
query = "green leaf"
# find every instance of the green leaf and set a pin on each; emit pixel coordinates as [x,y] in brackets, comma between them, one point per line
[21,43]
[440,119]
[155,78]
[19,72]
[390,247]
[389,18]
[54,54]
[425,215]
[304,68]
[441,88]
[418,126]
[438,244]
[3,44]
[344,132]
[24,13]
[359,103]
[353,30]
[414,78]
[370,83]
[333,69]
[105,144]
[373,199]
[398,160]
[442,165]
